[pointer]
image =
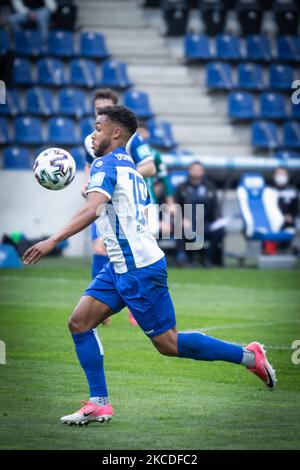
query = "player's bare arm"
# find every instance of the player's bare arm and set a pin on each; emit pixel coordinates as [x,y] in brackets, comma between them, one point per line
[147,169]
[82,219]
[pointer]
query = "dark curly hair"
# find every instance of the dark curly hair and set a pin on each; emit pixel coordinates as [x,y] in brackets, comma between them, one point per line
[121,115]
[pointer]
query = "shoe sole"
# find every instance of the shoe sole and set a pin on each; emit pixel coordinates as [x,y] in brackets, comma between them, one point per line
[100,419]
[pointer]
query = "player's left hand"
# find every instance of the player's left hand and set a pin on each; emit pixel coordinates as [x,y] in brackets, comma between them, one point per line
[37,251]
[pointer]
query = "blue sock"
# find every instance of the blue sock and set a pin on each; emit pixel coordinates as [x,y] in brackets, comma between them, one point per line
[196,345]
[97,264]
[90,354]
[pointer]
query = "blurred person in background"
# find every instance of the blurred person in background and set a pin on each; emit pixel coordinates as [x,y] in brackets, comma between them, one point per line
[37,12]
[198,189]
[288,197]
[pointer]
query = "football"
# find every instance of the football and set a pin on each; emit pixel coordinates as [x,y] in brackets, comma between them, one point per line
[54,168]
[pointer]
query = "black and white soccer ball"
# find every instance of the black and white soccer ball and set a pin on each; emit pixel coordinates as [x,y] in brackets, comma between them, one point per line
[54,168]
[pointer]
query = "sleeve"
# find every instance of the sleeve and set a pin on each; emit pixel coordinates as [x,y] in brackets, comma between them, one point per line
[19,7]
[162,174]
[178,199]
[139,150]
[89,154]
[103,178]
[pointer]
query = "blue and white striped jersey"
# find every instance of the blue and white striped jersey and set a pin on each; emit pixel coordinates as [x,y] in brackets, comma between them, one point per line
[122,223]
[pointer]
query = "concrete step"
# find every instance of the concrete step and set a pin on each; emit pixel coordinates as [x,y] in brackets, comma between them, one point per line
[210,134]
[158,76]
[215,150]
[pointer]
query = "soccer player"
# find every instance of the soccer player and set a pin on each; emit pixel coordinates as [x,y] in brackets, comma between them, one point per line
[135,276]
[142,157]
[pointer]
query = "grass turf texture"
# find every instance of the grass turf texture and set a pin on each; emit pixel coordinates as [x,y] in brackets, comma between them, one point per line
[159,402]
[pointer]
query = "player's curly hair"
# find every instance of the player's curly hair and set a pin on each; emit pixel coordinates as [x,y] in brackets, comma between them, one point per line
[121,115]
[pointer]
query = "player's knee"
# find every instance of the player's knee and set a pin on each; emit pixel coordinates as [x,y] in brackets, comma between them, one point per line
[75,325]
[167,348]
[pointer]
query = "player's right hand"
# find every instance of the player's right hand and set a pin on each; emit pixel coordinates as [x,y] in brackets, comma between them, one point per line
[37,251]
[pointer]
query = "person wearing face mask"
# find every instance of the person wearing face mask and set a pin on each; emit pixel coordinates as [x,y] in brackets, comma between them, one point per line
[198,189]
[288,197]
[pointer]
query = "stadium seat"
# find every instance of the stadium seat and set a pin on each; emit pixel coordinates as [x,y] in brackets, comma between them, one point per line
[286,155]
[281,76]
[17,158]
[295,111]
[219,76]
[250,76]
[93,46]
[228,47]
[4,132]
[12,107]
[78,153]
[197,47]
[272,106]
[39,101]
[258,48]
[241,105]
[260,211]
[175,14]
[213,15]
[288,48]
[28,130]
[4,41]
[265,135]
[61,44]
[114,75]
[62,131]
[291,134]
[22,74]
[71,102]
[51,72]
[250,16]
[29,42]
[161,134]
[83,73]
[86,126]
[138,101]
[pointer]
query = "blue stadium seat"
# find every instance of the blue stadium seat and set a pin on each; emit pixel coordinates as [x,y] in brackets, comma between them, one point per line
[93,46]
[295,111]
[161,134]
[22,74]
[4,132]
[250,76]
[17,158]
[71,102]
[286,155]
[114,75]
[262,217]
[51,72]
[39,101]
[265,135]
[219,76]
[228,47]
[29,42]
[138,101]
[197,47]
[83,73]
[12,107]
[288,48]
[87,126]
[62,131]
[241,105]
[281,76]
[61,44]
[28,130]
[258,48]
[4,41]
[291,134]
[78,153]
[272,106]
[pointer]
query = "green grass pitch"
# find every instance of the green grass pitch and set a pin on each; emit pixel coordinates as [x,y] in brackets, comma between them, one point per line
[160,402]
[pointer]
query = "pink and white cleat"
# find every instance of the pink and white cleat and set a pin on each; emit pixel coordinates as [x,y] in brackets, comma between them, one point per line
[262,367]
[88,413]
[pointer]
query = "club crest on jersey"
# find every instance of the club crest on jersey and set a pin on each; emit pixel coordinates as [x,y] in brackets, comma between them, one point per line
[98,164]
